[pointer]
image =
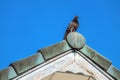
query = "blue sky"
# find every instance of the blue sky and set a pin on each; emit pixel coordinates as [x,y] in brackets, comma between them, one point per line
[28,25]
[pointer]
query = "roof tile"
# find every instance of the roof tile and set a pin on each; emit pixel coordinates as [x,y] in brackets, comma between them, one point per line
[54,50]
[114,72]
[28,63]
[7,73]
[96,57]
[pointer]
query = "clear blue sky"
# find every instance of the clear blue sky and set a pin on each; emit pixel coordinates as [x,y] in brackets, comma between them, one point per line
[28,25]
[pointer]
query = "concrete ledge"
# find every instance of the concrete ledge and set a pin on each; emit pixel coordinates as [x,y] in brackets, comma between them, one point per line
[114,72]
[54,50]
[96,57]
[28,63]
[7,73]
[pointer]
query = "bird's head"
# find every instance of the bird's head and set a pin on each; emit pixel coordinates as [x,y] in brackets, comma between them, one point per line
[75,19]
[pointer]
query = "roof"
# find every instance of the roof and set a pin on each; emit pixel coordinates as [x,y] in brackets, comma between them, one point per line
[75,42]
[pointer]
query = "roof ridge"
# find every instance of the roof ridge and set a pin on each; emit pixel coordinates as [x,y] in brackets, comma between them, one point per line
[75,41]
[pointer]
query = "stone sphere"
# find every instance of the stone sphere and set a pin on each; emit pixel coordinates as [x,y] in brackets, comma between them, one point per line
[76,40]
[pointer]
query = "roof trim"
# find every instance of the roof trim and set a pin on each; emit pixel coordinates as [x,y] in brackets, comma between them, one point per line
[62,62]
[48,53]
[53,50]
[96,57]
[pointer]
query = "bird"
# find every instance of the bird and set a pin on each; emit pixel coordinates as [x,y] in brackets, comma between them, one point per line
[72,27]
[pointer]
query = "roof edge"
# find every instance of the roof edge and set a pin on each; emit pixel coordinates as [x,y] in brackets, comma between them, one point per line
[96,57]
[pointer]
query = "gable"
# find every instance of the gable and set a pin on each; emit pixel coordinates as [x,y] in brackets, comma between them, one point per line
[69,61]
[68,55]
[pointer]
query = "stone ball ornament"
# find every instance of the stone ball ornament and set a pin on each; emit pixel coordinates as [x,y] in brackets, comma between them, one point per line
[76,40]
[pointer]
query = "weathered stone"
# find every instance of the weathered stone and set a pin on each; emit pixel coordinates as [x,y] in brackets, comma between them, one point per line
[91,78]
[28,63]
[76,40]
[54,50]
[96,57]
[7,73]
[48,77]
[67,76]
[114,72]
